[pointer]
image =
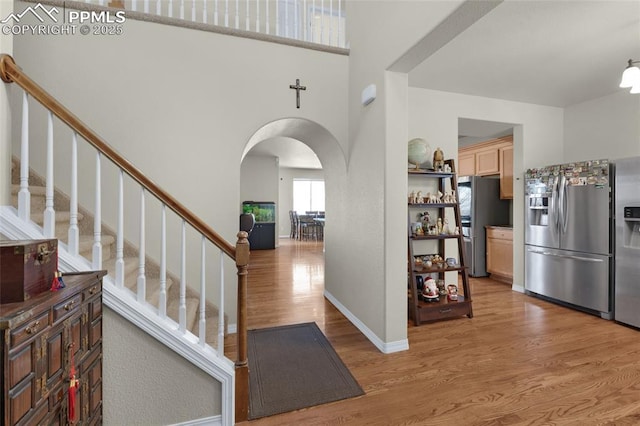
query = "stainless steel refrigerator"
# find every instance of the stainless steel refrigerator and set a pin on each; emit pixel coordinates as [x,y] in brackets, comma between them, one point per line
[627,258]
[568,235]
[480,205]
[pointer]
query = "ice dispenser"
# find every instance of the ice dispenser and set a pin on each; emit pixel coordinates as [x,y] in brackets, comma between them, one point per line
[631,229]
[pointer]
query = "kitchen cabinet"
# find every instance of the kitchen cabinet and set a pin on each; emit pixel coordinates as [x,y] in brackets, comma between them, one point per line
[492,157]
[467,164]
[42,339]
[506,172]
[500,253]
[426,251]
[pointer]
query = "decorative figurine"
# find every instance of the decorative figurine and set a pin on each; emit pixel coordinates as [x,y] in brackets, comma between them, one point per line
[412,197]
[419,199]
[430,291]
[456,231]
[439,225]
[445,228]
[452,292]
[425,219]
[438,160]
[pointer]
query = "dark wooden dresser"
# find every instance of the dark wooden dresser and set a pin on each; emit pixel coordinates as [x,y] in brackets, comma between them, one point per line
[41,339]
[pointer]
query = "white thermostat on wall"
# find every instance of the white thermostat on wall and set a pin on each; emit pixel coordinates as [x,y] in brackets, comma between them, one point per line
[368,94]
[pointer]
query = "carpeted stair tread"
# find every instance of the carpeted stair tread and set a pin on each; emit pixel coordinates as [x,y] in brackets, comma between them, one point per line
[61,216]
[173,307]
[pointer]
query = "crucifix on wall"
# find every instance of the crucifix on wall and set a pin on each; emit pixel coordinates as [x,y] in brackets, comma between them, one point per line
[297,88]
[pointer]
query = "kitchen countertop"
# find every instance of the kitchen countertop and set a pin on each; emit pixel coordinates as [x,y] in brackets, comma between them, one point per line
[500,226]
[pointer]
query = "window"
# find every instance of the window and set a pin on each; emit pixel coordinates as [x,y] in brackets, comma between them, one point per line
[308,195]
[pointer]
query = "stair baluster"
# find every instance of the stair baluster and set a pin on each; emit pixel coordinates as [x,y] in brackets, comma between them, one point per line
[202,326]
[204,12]
[215,12]
[142,279]
[193,11]
[182,310]
[258,17]
[146,6]
[49,213]
[221,307]
[267,28]
[97,219]
[74,232]
[237,15]
[226,13]
[162,302]
[24,196]
[159,7]
[170,9]
[120,233]
[134,5]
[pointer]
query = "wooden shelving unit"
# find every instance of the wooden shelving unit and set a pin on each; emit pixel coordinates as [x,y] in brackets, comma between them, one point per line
[421,311]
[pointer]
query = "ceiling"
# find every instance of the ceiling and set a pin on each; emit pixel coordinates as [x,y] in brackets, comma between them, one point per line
[555,53]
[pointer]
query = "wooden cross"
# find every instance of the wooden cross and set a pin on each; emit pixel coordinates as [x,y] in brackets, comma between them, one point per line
[297,88]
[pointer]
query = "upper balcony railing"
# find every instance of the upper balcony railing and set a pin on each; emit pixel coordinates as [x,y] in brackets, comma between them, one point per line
[312,21]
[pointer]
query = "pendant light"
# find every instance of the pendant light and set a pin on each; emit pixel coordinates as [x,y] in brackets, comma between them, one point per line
[631,77]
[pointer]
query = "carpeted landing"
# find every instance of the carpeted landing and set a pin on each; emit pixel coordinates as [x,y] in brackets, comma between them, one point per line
[293,367]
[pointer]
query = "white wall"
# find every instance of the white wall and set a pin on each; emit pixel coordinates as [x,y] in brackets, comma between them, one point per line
[145,382]
[606,127]
[259,182]
[538,140]
[287,175]
[6,46]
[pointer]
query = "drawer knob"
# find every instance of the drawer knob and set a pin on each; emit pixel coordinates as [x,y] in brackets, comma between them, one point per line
[93,290]
[69,306]
[33,328]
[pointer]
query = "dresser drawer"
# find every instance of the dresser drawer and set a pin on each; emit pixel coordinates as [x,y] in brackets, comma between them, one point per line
[29,329]
[63,309]
[500,233]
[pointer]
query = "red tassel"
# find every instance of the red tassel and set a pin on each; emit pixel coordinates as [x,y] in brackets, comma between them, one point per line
[74,384]
[57,282]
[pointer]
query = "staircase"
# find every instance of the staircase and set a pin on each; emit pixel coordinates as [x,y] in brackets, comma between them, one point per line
[137,287]
[131,260]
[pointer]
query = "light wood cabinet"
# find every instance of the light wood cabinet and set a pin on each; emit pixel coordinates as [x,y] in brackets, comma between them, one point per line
[500,253]
[492,157]
[487,162]
[506,172]
[466,164]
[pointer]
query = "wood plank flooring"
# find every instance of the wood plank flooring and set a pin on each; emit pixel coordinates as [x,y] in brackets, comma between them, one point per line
[519,361]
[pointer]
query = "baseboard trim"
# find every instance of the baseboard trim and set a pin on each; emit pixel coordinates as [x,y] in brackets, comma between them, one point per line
[205,421]
[384,347]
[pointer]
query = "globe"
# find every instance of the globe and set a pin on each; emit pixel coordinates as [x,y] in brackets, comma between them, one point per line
[420,153]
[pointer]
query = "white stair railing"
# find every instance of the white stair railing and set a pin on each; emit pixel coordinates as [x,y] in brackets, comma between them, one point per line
[11,73]
[321,23]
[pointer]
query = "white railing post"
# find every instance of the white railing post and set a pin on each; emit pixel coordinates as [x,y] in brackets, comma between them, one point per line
[215,12]
[247,19]
[202,326]
[97,219]
[305,21]
[330,23]
[193,10]
[221,308]
[312,21]
[204,11]
[162,302]
[258,16]
[24,196]
[278,17]
[49,212]
[134,5]
[170,9]
[181,9]
[226,13]
[182,309]
[286,20]
[267,21]
[146,6]
[159,7]
[321,21]
[142,279]
[339,42]
[237,14]
[74,232]
[120,233]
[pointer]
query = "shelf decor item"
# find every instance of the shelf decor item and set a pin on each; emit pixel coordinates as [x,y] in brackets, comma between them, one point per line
[419,154]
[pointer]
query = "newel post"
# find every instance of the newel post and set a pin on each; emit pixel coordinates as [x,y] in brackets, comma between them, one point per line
[242,363]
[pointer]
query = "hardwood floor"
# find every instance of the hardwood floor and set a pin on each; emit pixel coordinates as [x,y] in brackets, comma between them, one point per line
[519,361]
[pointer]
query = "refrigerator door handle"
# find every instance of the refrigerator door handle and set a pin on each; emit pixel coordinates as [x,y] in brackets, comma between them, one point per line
[554,205]
[566,256]
[563,194]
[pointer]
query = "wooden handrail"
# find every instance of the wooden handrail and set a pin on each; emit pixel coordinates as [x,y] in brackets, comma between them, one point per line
[11,73]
